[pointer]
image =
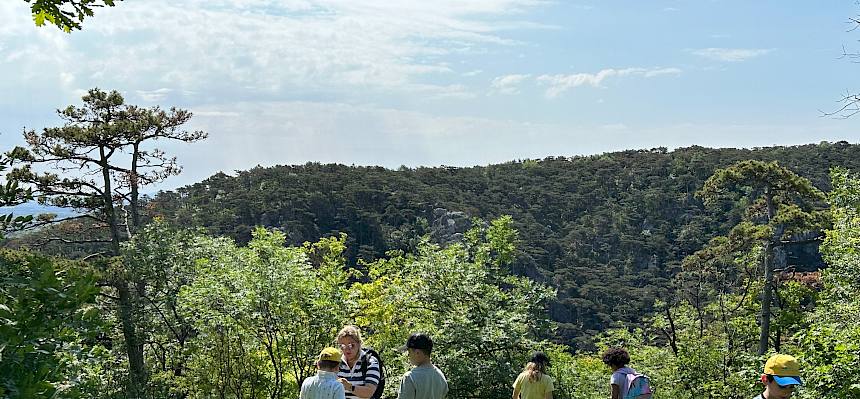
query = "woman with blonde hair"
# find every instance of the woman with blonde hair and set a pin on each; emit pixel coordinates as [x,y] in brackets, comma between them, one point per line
[360,370]
[533,383]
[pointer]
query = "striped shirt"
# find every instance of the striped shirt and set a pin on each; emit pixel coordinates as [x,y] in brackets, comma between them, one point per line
[354,376]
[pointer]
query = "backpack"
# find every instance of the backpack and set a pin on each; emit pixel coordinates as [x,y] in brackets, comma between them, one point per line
[638,386]
[380,388]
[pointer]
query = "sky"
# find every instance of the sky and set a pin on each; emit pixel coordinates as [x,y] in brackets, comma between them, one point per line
[443,82]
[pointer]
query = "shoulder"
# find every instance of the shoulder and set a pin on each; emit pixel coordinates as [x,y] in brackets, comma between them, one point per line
[371,359]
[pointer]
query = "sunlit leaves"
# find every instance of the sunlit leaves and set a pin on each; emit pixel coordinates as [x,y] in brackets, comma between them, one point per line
[67,15]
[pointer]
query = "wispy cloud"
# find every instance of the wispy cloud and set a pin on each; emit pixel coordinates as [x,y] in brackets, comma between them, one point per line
[559,84]
[507,84]
[730,54]
[266,46]
[153,95]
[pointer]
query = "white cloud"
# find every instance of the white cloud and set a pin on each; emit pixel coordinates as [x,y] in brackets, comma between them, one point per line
[671,9]
[507,84]
[67,79]
[264,46]
[153,95]
[475,72]
[730,54]
[559,84]
[205,113]
[662,71]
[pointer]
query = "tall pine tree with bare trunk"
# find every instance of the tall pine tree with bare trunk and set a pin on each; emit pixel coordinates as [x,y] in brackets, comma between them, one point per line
[782,208]
[96,163]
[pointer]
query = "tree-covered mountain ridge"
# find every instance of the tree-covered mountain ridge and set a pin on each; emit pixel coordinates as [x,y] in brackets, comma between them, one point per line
[608,231]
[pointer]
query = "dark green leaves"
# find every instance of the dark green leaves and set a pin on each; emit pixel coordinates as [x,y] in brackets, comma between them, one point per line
[67,15]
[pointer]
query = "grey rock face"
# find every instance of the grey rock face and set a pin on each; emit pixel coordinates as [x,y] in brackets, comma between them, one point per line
[448,226]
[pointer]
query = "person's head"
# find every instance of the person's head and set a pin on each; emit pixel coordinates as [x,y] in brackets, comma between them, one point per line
[537,365]
[616,358]
[781,376]
[419,347]
[329,360]
[349,342]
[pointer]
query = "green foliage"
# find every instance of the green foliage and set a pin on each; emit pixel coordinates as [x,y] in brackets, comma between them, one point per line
[163,260]
[715,355]
[248,321]
[578,376]
[708,337]
[774,196]
[100,158]
[754,178]
[484,322]
[84,152]
[609,232]
[48,323]
[829,346]
[262,313]
[65,14]
[223,319]
[778,207]
[11,194]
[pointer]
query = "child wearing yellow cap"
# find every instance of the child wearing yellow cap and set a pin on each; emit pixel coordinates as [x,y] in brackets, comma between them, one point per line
[781,376]
[324,385]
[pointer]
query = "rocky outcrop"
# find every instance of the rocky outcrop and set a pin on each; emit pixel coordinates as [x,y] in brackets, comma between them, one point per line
[449,226]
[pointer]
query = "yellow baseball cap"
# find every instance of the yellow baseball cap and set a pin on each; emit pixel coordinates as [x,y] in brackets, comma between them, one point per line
[784,368]
[330,354]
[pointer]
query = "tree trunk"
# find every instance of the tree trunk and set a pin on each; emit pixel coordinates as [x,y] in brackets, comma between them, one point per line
[673,337]
[766,299]
[134,183]
[773,254]
[133,346]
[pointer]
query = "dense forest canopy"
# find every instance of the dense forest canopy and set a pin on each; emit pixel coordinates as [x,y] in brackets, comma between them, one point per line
[659,252]
[608,231]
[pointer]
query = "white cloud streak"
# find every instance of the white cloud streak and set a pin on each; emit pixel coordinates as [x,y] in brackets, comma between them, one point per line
[154,95]
[730,54]
[507,84]
[558,84]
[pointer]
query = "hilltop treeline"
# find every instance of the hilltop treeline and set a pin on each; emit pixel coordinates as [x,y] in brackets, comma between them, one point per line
[608,231]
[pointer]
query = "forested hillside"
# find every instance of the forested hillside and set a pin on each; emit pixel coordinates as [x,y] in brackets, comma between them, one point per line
[608,231]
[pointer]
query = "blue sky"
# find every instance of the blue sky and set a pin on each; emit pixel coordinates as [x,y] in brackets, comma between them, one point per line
[444,82]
